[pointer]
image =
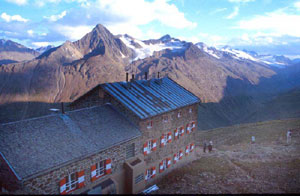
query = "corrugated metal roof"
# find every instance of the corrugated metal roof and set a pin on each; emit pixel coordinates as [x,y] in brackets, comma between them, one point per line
[150,100]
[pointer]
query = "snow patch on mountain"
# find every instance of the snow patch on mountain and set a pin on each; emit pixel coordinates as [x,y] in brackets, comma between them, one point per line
[146,50]
[238,54]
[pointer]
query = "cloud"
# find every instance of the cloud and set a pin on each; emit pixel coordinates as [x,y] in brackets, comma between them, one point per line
[30,32]
[212,40]
[240,1]
[297,5]
[234,13]
[73,32]
[218,10]
[277,22]
[54,18]
[8,18]
[18,2]
[118,16]
[40,44]
[41,3]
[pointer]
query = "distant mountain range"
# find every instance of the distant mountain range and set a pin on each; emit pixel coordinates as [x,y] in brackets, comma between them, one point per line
[232,84]
[11,52]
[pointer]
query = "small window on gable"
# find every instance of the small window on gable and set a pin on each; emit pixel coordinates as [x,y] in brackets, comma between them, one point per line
[149,124]
[165,118]
[190,110]
[130,150]
[179,114]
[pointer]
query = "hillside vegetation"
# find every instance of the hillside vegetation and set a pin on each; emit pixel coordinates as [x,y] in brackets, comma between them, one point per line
[237,166]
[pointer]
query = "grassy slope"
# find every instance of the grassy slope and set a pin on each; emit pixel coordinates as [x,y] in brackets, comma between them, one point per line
[237,166]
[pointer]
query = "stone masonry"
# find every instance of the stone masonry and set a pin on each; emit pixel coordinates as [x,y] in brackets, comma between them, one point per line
[48,183]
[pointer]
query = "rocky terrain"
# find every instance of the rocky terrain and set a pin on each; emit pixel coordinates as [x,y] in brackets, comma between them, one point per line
[228,82]
[236,166]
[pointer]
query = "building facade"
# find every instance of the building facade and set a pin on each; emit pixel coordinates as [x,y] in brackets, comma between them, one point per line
[151,125]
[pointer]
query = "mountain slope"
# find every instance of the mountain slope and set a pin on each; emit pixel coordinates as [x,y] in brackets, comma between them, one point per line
[67,71]
[11,52]
[230,85]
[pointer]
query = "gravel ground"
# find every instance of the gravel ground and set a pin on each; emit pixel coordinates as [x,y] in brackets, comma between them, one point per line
[268,166]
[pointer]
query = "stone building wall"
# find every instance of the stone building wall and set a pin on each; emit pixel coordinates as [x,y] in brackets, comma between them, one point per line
[49,183]
[94,97]
[159,127]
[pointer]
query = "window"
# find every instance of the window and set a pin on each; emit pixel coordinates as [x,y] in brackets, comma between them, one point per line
[179,114]
[176,157]
[130,150]
[100,169]
[71,182]
[149,146]
[180,131]
[149,124]
[139,178]
[190,110]
[150,173]
[189,128]
[163,140]
[165,118]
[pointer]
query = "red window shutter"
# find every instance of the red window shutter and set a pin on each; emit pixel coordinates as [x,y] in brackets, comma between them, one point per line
[145,148]
[193,125]
[175,158]
[161,168]
[187,150]
[153,172]
[180,154]
[162,144]
[80,176]
[93,173]
[153,145]
[62,185]
[182,131]
[192,147]
[107,166]
[175,134]
[168,162]
[169,137]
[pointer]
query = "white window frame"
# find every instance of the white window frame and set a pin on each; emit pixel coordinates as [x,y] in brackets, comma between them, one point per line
[165,138]
[149,174]
[190,110]
[70,182]
[164,164]
[165,119]
[179,114]
[149,146]
[100,169]
[149,124]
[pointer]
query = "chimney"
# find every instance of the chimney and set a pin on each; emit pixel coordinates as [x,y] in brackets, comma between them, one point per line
[62,108]
[126,77]
[132,78]
[146,75]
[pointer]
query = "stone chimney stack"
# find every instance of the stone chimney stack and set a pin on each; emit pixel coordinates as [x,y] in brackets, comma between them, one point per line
[62,108]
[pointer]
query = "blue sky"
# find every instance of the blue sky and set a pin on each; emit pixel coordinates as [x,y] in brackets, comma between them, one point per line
[272,25]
